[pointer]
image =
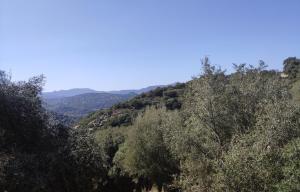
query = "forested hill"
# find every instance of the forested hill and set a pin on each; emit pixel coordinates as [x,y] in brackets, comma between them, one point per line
[124,113]
[80,105]
[74,104]
[172,97]
[205,132]
[215,133]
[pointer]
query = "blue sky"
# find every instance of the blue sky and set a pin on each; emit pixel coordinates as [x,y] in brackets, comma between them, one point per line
[122,44]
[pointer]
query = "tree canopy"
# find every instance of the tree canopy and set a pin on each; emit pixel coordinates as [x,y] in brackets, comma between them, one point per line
[218,132]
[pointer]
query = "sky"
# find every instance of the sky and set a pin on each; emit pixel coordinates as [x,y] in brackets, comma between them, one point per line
[128,44]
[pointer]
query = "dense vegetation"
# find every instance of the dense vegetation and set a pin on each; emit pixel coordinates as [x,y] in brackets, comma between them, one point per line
[125,113]
[218,132]
[36,152]
[73,104]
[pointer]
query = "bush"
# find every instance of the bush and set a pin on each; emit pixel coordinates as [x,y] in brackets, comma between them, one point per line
[291,167]
[145,155]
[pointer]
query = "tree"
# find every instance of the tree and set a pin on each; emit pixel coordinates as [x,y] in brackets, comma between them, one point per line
[219,111]
[291,67]
[145,155]
[38,154]
[27,141]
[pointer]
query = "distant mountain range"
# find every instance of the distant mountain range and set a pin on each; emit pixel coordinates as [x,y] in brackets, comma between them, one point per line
[79,91]
[79,102]
[83,104]
[67,93]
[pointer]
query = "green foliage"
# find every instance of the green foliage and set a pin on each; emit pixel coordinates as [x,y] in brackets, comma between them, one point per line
[291,167]
[292,67]
[218,132]
[253,161]
[110,140]
[20,113]
[229,124]
[228,135]
[90,163]
[123,114]
[36,153]
[295,91]
[145,153]
[27,141]
[245,168]
[173,104]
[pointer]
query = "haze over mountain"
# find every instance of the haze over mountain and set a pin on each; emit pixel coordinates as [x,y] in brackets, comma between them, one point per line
[79,91]
[81,105]
[79,102]
[67,93]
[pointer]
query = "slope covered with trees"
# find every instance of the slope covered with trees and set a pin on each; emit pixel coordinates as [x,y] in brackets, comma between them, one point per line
[124,113]
[230,133]
[215,133]
[74,104]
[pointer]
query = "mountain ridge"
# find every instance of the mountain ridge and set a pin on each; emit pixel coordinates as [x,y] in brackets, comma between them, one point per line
[79,91]
[80,105]
[67,93]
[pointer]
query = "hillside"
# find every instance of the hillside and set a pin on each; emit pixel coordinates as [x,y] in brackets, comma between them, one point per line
[83,104]
[217,132]
[75,103]
[124,113]
[216,121]
[79,91]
